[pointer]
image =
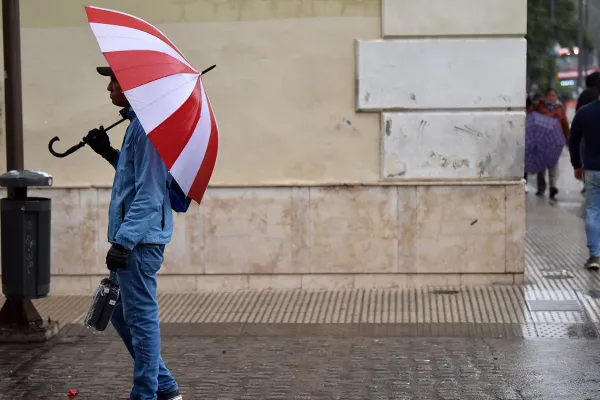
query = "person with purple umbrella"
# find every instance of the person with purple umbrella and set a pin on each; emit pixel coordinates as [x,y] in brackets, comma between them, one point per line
[544,143]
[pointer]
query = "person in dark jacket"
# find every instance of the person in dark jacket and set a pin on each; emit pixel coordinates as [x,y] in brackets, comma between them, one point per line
[586,126]
[590,94]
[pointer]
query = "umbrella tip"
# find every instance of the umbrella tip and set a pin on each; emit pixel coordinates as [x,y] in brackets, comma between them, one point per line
[208,69]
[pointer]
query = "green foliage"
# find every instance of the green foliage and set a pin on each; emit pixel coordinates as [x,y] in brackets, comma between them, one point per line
[543,34]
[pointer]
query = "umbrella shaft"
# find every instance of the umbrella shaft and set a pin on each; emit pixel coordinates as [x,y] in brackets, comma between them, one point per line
[113,125]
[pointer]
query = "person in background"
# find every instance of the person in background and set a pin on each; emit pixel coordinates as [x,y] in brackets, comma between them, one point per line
[544,143]
[589,95]
[550,105]
[585,126]
[528,109]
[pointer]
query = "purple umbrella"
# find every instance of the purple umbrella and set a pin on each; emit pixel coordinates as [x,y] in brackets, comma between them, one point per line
[544,142]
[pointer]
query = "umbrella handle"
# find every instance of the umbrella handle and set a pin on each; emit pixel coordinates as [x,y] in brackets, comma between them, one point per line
[66,153]
[79,145]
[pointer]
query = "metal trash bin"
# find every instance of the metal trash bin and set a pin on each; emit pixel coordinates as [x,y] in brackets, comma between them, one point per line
[25,236]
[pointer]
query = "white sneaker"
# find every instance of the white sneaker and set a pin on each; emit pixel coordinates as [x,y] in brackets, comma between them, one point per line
[177,398]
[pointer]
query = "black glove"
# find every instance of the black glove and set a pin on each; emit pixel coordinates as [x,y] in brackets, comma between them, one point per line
[98,140]
[117,256]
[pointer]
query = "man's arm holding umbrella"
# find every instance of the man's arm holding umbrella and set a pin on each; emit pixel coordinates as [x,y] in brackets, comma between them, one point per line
[98,140]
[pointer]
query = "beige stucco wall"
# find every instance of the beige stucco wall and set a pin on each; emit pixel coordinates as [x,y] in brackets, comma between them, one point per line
[283,91]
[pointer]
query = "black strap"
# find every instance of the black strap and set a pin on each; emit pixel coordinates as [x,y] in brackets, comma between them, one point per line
[162,222]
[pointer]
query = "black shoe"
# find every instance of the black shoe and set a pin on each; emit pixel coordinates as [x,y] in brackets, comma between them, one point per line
[553,192]
[541,189]
[592,263]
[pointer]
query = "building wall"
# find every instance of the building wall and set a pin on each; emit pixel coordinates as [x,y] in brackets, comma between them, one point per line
[364,143]
[311,237]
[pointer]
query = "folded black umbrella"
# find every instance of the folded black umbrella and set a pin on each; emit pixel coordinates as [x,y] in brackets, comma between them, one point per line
[103,305]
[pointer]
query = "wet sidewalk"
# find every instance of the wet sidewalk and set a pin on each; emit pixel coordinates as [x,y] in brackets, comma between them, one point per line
[359,368]
[535,341]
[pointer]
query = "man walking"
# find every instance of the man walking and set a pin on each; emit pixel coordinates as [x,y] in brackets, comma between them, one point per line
[589,95]
[585,126]
[140,225]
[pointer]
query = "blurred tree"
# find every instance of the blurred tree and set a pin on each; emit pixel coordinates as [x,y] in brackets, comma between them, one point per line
[543,34]
[594,21]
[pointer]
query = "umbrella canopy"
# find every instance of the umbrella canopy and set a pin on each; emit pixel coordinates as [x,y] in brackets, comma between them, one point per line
[165,92]
[544,142]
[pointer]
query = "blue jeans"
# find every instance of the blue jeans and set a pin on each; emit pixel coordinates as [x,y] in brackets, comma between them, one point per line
[136,320]
[592,211]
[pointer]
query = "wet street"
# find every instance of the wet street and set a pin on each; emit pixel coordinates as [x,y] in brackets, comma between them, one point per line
[538,340]
[259,368]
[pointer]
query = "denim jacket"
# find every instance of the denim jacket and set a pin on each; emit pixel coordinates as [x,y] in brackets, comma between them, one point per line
[140,210]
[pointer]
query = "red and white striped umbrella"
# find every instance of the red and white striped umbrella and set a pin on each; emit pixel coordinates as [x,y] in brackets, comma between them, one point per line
[165,92]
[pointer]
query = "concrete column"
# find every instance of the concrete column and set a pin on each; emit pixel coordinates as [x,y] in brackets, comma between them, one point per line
[448,78]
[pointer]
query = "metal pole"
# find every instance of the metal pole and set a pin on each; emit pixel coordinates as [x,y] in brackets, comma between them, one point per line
[583,48]
[17,316]
[580,46]
[586,25]
[552,59]
[13,99]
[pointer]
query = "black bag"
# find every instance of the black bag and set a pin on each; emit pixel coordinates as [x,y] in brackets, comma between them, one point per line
[103,305]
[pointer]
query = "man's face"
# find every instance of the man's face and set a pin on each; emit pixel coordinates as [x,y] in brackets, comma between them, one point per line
[116,94]
[552,96]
